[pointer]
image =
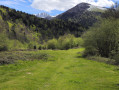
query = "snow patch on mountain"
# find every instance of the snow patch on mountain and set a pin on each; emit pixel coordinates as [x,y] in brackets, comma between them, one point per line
[96,8]
[43,15]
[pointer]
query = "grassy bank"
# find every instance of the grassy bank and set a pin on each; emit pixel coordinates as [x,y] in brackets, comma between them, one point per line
[63,70]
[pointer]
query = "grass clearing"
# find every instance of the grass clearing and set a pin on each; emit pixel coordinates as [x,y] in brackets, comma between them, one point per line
[64,70]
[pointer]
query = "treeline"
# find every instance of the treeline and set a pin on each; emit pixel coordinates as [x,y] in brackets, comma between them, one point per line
[103,38]
[65,42]
[86,19]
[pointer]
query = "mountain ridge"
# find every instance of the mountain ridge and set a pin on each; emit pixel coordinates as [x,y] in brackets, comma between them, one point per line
[44,15]
[83,13]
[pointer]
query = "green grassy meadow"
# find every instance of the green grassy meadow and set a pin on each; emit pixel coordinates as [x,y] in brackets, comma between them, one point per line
[63,70]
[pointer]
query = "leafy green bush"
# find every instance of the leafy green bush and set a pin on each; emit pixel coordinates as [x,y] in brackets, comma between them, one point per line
[52,44]
[116,58]
[31,45]
[69,41]
[102,39]
[64,42]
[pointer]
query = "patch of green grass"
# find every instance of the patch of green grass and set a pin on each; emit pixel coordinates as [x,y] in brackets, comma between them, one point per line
[64,70]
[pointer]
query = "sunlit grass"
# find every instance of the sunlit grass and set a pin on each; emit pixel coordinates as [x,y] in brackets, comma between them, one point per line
[64,70]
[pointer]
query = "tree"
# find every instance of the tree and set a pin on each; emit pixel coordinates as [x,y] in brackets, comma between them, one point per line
[112,12]
[102,39]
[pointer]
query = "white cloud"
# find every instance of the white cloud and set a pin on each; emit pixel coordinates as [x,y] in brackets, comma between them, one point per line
[62,5]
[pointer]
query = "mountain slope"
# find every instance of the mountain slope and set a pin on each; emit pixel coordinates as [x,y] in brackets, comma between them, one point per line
[83,13]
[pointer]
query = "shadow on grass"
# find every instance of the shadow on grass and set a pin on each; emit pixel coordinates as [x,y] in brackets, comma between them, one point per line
[79,56]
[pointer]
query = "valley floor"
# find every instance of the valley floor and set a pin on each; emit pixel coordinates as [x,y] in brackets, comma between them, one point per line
[64,70]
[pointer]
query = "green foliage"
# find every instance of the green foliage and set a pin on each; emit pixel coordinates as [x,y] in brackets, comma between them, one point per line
[116,58]
[112,12]
[3,43]
[3,10]
[10,25]
[47,28]
[64,42]
[28,33]
[102,39]
[7,44]
[0,17]
[30,45]
[52,44]
[16,45]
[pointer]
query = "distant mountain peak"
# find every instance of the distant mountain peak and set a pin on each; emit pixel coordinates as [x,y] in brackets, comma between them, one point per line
[44,15]
[80,7]
[83,13]
[83,4]
[86,6]
[96,8]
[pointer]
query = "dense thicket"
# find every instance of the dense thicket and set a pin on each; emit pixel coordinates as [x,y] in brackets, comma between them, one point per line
[63,43]
[103,38]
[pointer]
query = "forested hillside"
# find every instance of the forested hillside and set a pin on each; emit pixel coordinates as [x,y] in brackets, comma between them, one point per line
[20,29]
[47,29]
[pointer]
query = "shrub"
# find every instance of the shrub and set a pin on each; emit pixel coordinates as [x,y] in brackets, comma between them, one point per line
[102,59]
[78,42]
[40,56]
[12,57]
[44,47]
[64,42]
[30,46]
[52,44]
[40,47]
[116,58]
[102,39]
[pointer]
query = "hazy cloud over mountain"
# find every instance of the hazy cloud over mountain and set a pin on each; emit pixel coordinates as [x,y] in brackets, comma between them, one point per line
[62,5]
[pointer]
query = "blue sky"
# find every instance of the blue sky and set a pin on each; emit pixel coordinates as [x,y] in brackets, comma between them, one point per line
[53,7]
